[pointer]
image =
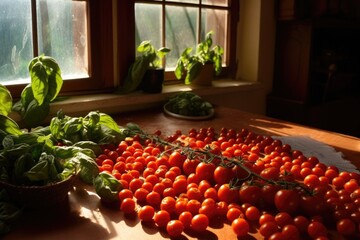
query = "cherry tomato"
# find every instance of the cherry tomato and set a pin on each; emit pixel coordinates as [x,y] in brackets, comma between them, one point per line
[185,217]
[176,159]
[240,226]
[168,204]
[301,223]
[290,231]
[317,229]
[268,228]
[250,194]
[189,166]
[233,213]
[287,200]
[223,174]
[146,213]
[283,218]
[174,228]
[199,222]
[346,227]
[153,199]
[161,218]
[128,205]
[252,213]
[227,194]
[205,171]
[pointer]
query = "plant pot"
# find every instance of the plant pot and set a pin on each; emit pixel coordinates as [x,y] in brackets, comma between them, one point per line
[205,76]
[153,80]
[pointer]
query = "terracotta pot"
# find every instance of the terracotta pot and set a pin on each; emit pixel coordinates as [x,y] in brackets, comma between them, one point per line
[153,80]
[206,75]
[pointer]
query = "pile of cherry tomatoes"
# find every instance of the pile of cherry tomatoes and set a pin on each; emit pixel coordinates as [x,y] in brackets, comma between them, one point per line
[188,181]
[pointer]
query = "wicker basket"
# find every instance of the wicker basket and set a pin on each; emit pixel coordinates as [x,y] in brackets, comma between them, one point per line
[39,196]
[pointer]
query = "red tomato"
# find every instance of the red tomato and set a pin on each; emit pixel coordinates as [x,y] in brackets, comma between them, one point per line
[174,228]
[233,213]
[125,193]
[301,223]
[268,228]
[193,206]
[199,222]
[205,171]
[250,194]
[346,227]
[266,217]
[317,229]
[270,173]
[240,226]
[252,213]
[185,217]
[283,218]
[161,218]
[140,194]
[153,199]
[228,194]
[180,185]
[176,159]
[223,174]
[287,200]
[128,205]
[146,213]
[189,166]
[168,204]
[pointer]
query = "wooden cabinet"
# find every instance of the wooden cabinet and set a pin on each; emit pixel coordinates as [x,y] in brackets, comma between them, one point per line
[317,71]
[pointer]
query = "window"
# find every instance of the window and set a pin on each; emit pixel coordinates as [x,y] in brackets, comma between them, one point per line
[57,28]
[178,24]
[94,41]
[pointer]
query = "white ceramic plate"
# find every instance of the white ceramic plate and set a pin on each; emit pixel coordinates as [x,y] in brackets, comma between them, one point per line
[210,115]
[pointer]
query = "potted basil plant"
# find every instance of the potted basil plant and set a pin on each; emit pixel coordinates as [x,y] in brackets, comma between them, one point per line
[146,72]
[201,66]
[154,75]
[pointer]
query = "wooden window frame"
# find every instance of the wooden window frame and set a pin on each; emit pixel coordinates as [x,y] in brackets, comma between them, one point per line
[101,54]
[228,71]
[112,47]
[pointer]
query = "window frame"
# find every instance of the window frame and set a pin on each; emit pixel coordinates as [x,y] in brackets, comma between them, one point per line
[101,71]
[228,71]
[111,54]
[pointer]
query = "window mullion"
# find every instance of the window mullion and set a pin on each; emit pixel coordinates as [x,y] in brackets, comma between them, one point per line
[199,23]
[34,28]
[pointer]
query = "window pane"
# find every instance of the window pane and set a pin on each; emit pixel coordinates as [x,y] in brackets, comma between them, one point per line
[62,34]
[148,24]
[215,20]
[216,2]
[15,41]
[181,30]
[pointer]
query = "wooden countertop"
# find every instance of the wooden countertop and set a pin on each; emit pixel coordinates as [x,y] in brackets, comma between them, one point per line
[84,217]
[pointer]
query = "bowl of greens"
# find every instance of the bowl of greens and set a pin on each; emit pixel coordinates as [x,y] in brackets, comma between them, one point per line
[188,105]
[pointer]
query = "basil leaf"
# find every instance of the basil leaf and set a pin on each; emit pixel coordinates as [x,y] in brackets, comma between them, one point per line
[109,122]
[89,169]
[89,145]
[26,96]
[72,126]
[22,165]
[5,101]
[107,187]
[39,82]
[9,126]
[35,113]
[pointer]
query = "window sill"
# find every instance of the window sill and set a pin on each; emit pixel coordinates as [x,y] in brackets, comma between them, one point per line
[115,103]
